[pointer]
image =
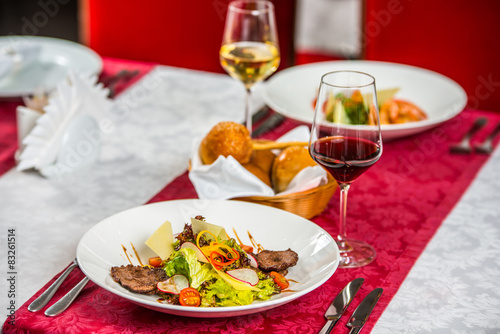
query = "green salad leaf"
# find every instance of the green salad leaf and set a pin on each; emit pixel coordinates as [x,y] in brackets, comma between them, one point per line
[177,265]
[347,110]
[184,262]
[267,288]
[220,293]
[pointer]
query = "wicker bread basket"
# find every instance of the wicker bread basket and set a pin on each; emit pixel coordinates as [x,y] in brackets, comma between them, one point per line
[307,204]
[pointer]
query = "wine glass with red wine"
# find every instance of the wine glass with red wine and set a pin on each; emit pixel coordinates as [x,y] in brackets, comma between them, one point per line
[346,141]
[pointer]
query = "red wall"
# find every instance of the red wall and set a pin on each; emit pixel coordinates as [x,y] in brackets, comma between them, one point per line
[457,38]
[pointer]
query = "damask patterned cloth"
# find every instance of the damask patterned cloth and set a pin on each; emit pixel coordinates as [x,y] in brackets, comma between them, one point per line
[396,206]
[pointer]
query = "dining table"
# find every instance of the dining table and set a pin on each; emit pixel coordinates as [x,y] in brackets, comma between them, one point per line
[432,216]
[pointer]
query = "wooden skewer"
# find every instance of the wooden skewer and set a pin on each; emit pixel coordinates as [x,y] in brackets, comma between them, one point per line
[276,145]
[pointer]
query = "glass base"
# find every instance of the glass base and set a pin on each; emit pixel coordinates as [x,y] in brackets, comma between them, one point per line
[355,253]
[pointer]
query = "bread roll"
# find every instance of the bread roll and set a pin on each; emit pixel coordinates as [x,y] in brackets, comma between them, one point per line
[260,164]
[287,164]
[263,159]
[262,175]
[226,138]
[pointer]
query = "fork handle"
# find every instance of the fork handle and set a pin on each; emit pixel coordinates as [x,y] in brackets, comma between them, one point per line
[45,297]
[478,124]
[63,303]
[494,133]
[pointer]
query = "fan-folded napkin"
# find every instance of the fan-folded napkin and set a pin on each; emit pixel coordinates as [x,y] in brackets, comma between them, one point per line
[67,136]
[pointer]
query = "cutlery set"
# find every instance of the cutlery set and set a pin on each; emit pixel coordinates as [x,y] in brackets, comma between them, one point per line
[268,124]
[120,78]
[465,146]
[341,303]
[63,303]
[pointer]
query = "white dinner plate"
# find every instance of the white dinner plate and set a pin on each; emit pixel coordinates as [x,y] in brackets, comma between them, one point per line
[56,58]
[101,247]
[292,91]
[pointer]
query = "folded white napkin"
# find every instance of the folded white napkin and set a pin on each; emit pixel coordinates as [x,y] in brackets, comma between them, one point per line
[17,56]
[226,178]
[67,136]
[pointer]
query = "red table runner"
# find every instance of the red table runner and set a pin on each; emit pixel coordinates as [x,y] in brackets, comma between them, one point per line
[396,206]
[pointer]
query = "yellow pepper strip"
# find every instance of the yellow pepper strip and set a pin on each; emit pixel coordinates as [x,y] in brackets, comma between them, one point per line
[200,234]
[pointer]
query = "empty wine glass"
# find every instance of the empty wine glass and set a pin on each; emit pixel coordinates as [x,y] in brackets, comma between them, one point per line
[250,51]
[346,141]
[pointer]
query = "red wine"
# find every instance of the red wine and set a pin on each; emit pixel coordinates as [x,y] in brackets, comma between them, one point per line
[345,158]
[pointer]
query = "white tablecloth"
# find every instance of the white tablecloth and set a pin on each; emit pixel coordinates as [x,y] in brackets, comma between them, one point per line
[453,288]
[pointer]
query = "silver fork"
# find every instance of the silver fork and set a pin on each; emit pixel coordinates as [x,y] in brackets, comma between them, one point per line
[487,146]
[464,145]
[45,297]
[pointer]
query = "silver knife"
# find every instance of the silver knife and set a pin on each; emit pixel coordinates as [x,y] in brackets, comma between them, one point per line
[362,312]
[268,124]
[340,304]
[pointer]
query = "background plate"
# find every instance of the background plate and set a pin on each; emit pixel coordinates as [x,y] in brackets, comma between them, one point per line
[101,247]
[56,58]
[291,92]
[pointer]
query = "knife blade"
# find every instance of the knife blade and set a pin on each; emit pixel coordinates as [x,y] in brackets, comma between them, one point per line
[260,114]
[362,312]
[268,124]
[340,304]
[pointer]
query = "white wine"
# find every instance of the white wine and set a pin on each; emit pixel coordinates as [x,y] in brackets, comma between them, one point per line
[249,62]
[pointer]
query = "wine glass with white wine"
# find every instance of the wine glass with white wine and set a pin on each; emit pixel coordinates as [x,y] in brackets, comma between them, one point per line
[250,51]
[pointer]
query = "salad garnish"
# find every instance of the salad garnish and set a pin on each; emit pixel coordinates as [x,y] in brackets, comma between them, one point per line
[203,267]
[344,109]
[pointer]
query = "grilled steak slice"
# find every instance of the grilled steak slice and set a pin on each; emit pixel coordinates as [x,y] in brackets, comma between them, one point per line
[138,279]
[276,260]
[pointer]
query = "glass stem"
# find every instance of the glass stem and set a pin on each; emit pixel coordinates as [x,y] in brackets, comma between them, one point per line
[248,113]
[342,236]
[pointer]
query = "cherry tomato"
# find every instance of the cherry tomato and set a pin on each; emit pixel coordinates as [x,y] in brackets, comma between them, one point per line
[280,280]
[190,297]
[155,261]
[247,249]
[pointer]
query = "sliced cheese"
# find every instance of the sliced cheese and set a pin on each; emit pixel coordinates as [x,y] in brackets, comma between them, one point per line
[200,225]
[161,241]
[386,94]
